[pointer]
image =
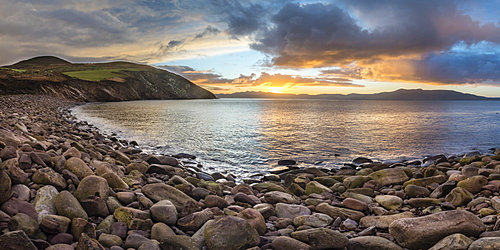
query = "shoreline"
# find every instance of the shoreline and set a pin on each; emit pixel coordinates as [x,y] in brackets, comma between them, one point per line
[122,198]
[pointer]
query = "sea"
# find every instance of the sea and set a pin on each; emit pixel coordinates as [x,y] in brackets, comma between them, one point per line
[248,137]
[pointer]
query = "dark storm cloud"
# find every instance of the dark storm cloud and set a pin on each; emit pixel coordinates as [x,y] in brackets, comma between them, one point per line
[241,17]
[361,37]
[209,30]
[319,35]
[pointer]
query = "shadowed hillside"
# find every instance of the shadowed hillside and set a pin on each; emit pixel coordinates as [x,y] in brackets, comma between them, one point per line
[115,81]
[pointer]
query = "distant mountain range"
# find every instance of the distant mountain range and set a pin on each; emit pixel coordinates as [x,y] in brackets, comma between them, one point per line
[400,94]
[114,81]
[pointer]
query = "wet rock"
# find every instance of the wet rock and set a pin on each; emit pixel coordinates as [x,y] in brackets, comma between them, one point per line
[372,242]
[322,238]
[284,210]
[343,213]
[159,191]
[425,231]
[175,242]
[25,161]
[164,211]
[456,241]
[230,233]
[423,202]
[16,240]
[67,205]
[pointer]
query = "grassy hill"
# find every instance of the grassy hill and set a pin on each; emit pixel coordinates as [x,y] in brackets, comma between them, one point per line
[114,81]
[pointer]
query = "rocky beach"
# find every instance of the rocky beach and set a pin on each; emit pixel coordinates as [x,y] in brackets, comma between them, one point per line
[65,185]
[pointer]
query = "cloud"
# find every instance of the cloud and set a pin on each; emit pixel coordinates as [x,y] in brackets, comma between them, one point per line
[264,80]
[209,30]
[362,38]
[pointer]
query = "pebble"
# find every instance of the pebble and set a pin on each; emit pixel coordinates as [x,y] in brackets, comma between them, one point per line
[65,185]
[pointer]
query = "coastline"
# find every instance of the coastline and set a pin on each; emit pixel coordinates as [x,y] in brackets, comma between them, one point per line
[162,201]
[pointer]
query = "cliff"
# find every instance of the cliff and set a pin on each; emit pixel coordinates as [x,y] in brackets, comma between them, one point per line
[115,81]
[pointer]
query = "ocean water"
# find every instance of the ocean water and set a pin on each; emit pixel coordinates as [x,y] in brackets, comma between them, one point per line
[248,136]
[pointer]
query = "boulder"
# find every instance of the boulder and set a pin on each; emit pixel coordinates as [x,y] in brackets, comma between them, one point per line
[164,211]
[175,242]
[473,184]
[343,213]
[45,201]
[372,242]
[485,243]
[389,176]
[194,221]
[322,238]
[390,202]
[230,233]
[383,221]
[160,191]
[92,185]
[274,197]
[290,211]
[78,167]
[5,187]
[48,176]
[287,243]
[459,197]
[23,222]
[85,242]
[255,219]
[55,224]
[425,231]
[16,240]
[414,191]
[314,187]
[456,241]
[314,220]
[67,205]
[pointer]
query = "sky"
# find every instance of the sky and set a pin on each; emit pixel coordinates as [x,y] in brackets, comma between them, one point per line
[313,47]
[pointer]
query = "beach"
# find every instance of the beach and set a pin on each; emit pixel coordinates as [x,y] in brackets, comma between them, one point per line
[66,185]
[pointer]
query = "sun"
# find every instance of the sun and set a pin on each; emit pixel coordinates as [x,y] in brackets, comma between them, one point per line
[276,90]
